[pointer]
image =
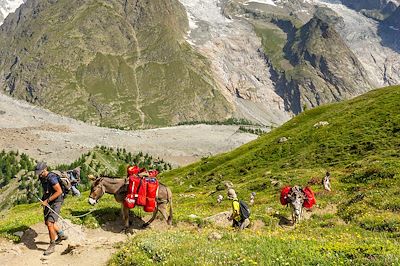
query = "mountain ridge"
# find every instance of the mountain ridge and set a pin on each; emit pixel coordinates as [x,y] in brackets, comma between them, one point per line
[105,65]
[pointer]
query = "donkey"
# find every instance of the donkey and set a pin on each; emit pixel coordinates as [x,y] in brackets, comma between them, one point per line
[118,187]
[296,200]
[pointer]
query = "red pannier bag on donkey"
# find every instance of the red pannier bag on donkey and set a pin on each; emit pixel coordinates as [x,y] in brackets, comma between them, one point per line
[152,187]
[130,200]
[141,191]
[310,198]
[133,170]
[153,173]
[284,192]
[136,194]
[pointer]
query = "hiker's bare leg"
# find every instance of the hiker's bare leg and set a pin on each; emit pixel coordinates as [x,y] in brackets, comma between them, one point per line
[52,231]
[56,227]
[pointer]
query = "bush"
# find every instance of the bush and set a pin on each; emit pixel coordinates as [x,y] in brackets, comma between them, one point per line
[389,222]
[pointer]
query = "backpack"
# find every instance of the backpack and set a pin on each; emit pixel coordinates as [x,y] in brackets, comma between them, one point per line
[64,181]
[244,210]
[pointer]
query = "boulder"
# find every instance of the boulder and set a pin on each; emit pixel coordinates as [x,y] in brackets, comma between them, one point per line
[282,140]
[321,124]
[214,236]
[224,185]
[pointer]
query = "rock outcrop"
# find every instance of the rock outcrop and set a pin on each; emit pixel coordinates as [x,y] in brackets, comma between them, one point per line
[329,69]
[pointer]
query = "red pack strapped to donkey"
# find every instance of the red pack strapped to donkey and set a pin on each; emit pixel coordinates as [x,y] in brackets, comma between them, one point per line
[142,188]
[308,194]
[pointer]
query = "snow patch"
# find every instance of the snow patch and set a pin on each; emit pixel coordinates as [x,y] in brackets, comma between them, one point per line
[9,6]
[266,2]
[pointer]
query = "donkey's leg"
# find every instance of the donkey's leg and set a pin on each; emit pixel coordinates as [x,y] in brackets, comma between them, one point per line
[294,216]
[125,216]
[163,210]
[301,214]
[122,212]
[152,218]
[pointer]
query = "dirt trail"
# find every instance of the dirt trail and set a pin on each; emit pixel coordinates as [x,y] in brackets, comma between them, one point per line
[96,246]
[89,247]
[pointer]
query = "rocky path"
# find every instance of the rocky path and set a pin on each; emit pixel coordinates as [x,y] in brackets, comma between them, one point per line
[46,136]
[84,247]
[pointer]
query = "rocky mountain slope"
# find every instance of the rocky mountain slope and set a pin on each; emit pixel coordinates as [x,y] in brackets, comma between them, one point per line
[368,4]
[7,7]
[115,63]
[264,61]
[301,78]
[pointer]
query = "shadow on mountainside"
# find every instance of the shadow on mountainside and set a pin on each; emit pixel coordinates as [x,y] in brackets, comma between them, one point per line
[390,37]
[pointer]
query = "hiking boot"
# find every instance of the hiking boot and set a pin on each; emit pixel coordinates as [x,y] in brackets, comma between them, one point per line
[50,249]
[61,238]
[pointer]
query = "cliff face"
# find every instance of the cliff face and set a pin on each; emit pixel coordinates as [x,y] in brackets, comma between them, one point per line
[325,69]
[114,63]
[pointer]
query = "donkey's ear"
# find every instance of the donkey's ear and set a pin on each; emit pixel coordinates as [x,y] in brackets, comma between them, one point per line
[91,177]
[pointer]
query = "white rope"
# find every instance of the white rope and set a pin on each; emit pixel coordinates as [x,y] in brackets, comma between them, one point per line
[63,220]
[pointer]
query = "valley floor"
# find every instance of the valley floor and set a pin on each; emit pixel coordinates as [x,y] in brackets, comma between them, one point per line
[56,139]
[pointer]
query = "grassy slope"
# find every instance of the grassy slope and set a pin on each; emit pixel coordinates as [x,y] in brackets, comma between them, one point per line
[357,223]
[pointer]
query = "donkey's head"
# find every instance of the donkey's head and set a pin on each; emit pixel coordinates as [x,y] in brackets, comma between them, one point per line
[296,199]
[97,190]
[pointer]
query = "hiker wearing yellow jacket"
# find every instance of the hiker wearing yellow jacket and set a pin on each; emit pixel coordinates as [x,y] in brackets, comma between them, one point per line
[236,217]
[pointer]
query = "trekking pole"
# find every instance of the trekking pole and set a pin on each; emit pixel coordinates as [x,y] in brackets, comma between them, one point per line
[62,219]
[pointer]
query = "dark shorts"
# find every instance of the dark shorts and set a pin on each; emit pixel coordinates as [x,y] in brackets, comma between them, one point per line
[236,223]
[50,216]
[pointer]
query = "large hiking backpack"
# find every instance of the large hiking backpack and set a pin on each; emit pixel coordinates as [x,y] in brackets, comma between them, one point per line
[244,210]
[64,181]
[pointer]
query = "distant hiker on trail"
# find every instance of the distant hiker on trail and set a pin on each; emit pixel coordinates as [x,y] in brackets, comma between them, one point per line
[327,182]
[52,198]
[240,211]
[252,196]
[75,177]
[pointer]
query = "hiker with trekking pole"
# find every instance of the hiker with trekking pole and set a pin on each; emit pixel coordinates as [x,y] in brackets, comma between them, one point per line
[52,201]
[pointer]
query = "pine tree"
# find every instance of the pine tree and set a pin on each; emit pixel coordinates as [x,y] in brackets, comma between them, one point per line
[122,170]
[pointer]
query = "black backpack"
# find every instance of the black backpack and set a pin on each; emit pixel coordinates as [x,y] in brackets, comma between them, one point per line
[244,210]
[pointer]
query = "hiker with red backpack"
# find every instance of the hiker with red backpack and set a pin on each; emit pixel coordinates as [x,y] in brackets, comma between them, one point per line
[240,211]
